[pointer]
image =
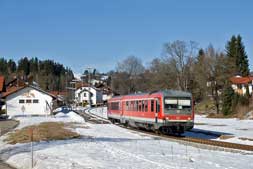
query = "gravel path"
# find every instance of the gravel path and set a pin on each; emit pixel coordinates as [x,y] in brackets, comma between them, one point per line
[6,126]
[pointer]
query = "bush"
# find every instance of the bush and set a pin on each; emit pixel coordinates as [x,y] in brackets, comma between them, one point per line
[3,111]
[244,100]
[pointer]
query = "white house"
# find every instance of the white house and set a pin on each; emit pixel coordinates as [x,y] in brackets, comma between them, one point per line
[28,100]
[240,84]
[88,95]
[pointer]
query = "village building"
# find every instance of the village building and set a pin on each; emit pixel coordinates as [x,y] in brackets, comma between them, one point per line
[2,89]
[60,95]
[88,95]
[240,84]
[27,100]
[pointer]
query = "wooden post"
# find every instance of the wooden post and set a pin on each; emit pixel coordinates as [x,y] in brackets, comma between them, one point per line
[31,137]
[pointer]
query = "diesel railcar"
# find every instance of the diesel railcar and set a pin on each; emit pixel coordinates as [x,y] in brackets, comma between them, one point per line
[168,111]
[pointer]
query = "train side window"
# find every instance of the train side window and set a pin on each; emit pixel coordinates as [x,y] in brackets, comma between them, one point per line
[132,105]
[152,105]
[139,106]
[146,106]
[157,106]
[127,108]
[115,106]
[143,106]
[136,106]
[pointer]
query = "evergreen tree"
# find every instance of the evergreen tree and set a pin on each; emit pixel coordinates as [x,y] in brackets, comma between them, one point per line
[243,65]
[3,67]
[12,67]
[24,67]
[238,59]
[231,49]
[227,104]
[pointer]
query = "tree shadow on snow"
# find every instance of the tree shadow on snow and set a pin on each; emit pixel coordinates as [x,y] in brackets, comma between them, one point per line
[205,134]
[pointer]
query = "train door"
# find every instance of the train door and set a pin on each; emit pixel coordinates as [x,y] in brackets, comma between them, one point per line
[154,108]
[121,108]
[157,109]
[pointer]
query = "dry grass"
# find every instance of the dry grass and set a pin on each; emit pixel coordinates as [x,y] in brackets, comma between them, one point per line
[243,129]
[43,132]
[220,115]
[200,123]
[244,138]
[204,107]
[225,137]
[219,125]
[241,111]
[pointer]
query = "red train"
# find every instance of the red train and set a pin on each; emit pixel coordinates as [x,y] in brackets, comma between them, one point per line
[168,111]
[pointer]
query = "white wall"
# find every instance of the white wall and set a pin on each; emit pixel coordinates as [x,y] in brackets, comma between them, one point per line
[96,97]
[15,108]
[235,87]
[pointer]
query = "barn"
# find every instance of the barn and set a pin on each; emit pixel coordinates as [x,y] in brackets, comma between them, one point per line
[28,100]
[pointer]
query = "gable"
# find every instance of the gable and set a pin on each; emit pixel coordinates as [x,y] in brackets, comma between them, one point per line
[29,92]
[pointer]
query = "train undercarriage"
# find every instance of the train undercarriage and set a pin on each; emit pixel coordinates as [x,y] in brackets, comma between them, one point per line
[170,128]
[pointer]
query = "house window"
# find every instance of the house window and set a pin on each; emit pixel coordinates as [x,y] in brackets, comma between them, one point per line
[28,101]
[84,95]
[35,101]
[21,101]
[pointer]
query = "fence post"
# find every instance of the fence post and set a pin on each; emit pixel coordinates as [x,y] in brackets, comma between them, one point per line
[31,136]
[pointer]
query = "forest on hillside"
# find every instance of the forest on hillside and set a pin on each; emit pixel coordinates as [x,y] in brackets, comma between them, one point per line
[49,74]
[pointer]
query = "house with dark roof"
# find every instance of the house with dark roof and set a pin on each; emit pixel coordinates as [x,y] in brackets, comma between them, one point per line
[27,100]
[240,84]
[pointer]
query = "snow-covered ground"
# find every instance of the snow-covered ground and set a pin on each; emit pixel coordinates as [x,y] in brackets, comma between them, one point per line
[232,127]
[100,111]
[59,117]
[109,146]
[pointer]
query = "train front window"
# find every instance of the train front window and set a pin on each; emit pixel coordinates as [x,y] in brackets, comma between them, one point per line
[177,105]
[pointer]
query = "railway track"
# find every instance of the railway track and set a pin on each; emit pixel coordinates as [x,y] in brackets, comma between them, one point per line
[88,117]
[221,144]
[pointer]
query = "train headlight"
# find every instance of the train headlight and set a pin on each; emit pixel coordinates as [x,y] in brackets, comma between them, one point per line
[167,118]
[189,118]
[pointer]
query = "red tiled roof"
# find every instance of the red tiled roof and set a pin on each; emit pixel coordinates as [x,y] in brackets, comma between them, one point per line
[11,90]
[55,93]
[241,80]
[1,83]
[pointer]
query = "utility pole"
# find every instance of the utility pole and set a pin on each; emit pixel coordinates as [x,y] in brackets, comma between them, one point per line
[89,85]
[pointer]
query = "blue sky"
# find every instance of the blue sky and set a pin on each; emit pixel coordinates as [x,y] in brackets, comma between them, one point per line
[100,33]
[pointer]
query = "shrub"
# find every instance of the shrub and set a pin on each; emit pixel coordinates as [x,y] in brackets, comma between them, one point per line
[3,111]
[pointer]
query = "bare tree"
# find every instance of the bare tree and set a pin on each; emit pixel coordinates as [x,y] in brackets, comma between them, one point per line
[131,65]
[179,52]
[128,77]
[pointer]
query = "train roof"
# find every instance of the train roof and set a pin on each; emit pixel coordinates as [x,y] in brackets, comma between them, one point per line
[176,93]
[165,93]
